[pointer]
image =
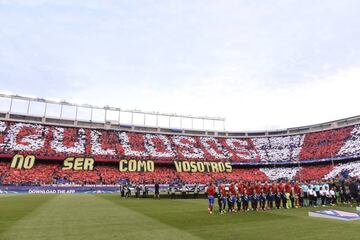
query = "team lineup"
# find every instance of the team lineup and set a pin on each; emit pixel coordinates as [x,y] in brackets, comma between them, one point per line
[256,196]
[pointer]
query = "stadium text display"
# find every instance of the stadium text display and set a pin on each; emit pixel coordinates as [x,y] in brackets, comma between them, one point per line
[136,166]
[190,166]
[87,163]
[78,163]
[22,162]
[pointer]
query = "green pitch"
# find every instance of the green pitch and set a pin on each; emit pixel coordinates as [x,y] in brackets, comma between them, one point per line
[110,217]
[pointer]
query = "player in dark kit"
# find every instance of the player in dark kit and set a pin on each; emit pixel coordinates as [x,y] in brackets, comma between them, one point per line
[220,203]
[223,195]
[245,201]
[157,191]
[263,200]
[211,197]
[278,199]
[271,199]
[255,199]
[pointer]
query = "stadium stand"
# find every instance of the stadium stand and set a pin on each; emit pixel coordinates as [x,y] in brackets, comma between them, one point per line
[52,173]
[253,158]
[54,142]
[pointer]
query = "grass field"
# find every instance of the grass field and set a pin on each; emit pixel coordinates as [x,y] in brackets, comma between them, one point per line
[110,217]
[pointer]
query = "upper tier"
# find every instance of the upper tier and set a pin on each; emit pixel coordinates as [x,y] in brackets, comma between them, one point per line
[56,143]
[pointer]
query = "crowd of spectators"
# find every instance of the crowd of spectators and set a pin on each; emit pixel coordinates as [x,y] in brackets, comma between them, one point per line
[351,169]
[279,149]
[326,144]
[56,142]
[352,144]
[280,173]
[52,173]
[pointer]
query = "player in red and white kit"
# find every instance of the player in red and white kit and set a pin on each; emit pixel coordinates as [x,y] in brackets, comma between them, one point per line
[211,197]
[232,190]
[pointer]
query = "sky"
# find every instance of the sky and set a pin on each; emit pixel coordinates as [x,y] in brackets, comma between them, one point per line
[261,64]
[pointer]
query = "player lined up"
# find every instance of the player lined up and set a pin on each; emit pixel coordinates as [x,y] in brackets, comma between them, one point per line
[237,197]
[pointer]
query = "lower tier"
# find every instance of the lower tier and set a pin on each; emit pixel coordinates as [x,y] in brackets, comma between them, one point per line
[48,173]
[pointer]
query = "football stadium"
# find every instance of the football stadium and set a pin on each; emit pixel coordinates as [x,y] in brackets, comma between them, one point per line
[253,130]
[76,179]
